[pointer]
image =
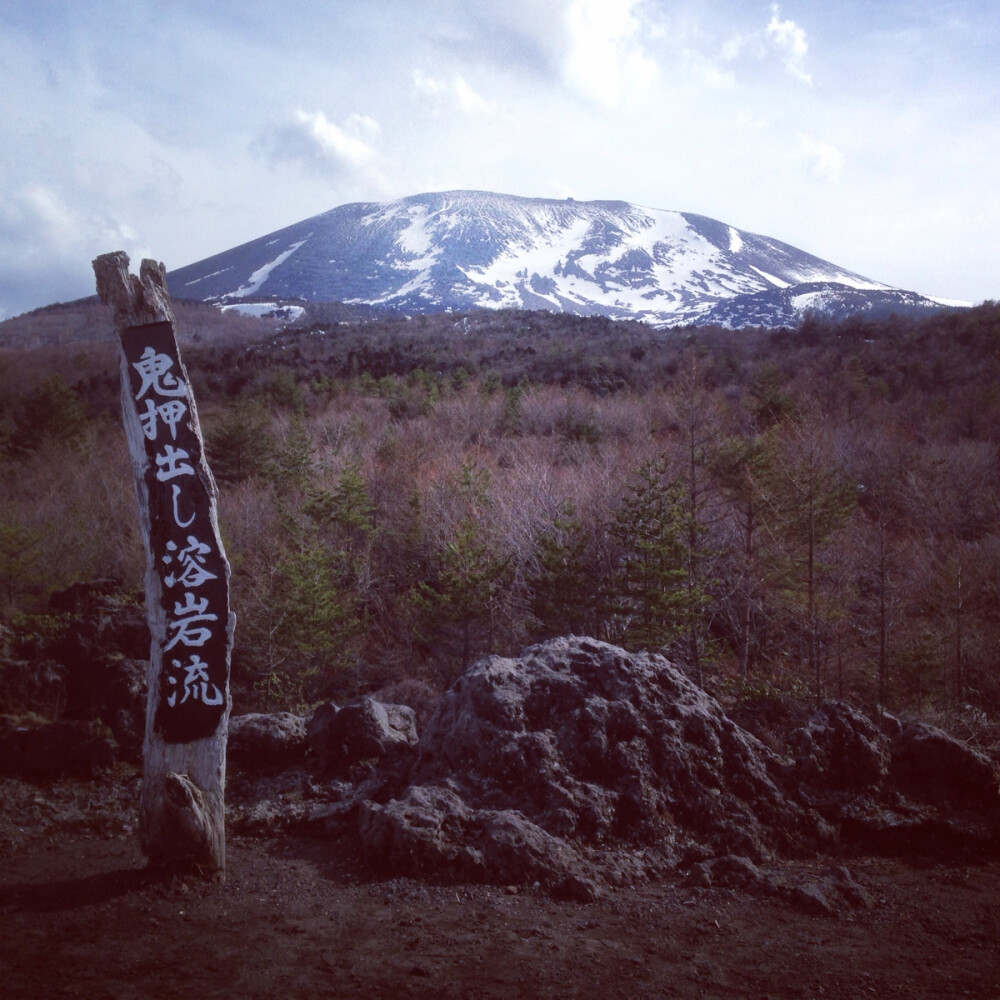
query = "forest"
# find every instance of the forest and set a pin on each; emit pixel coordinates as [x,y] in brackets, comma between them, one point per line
[796,513]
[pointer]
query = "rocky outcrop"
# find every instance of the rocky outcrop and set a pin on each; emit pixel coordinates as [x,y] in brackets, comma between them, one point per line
[577,750]
[576,766]
[839,749]
[56,750]
[432,831]
[930,765]
[263,741]
[92,670]
[898,789]
[363,730]
[833,891]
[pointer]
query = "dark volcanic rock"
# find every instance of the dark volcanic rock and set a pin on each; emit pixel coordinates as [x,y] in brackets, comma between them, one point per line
[83,596]
[56,750]
[578,746]
[906,829]
[940,800]
[930,765]
[365,729]
[37,685]
[579,765]
[266,741]
[841,749]
[432,831]
[729,871]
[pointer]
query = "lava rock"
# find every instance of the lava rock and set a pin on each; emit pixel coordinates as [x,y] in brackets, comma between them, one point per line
[731,872]
[83,596]
[55,750]
[578,746]
[930,765]
[833,893]
[266,741]
[841,749]
[362,730]
[432,831]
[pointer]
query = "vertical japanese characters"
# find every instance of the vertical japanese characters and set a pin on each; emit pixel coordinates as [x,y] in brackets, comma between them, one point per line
[190,565]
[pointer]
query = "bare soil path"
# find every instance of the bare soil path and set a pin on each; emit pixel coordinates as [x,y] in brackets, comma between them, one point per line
[80,917]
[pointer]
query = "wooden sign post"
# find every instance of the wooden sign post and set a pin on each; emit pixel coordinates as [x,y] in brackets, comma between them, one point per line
[182,805]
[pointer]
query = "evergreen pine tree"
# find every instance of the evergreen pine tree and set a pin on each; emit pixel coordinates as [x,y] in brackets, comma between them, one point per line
[564,598]
[651,593]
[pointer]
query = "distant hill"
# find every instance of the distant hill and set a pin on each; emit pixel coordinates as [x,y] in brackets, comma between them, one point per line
[463,250]
[88,321]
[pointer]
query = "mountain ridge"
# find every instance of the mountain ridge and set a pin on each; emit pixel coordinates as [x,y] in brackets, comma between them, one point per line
[461,250]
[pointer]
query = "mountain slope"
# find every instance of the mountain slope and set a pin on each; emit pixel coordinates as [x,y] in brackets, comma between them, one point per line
[462,250]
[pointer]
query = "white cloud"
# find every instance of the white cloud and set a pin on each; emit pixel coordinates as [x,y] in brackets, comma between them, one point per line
[605,60]
[790,40]
[314,141]
[709,74]
[783,37]
[48,212]
[826,162]
[58,229]
[455,92]
[47,243]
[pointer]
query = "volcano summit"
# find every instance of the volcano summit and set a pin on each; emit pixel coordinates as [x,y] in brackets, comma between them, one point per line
[462,250]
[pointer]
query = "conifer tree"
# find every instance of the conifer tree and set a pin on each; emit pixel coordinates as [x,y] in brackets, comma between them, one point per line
[240,445]
[468,574]
[564,598]
[650,593]
[739,463]
[808,500]
[456,608]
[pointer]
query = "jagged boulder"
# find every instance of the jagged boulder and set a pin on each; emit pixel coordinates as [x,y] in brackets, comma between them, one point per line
[894,789]
[83,596]
[839,749]
[593,750]
[432,830]
[56,750]
[730,872]
[930,765]
[102,625]
[362,730]
[92,670]
[266,741]
[834,891]
[36,685]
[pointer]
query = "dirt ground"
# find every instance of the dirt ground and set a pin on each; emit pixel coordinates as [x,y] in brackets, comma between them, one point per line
[297,917]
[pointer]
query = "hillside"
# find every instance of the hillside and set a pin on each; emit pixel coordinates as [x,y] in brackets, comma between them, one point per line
[454,485]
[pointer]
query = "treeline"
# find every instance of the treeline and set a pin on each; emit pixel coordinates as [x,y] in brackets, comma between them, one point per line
[811,511]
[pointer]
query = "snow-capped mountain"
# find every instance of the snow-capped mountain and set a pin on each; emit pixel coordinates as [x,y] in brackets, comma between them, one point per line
[461,250]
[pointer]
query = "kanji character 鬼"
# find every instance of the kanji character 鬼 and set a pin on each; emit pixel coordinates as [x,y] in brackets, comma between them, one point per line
[154,370]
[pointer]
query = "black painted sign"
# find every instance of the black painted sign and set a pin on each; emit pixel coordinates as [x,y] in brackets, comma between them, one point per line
[184,541]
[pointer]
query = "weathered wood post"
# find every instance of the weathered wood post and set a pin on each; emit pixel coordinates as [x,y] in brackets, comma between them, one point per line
[182,805]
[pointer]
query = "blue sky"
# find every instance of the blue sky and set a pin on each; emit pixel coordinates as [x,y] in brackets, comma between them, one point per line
[867,133]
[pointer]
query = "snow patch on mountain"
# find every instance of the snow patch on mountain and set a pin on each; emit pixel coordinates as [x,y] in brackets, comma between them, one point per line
[777,282]
[262,273]
[260,309]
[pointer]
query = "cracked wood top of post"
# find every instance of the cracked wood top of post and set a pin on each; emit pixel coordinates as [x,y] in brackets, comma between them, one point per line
[135,301]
